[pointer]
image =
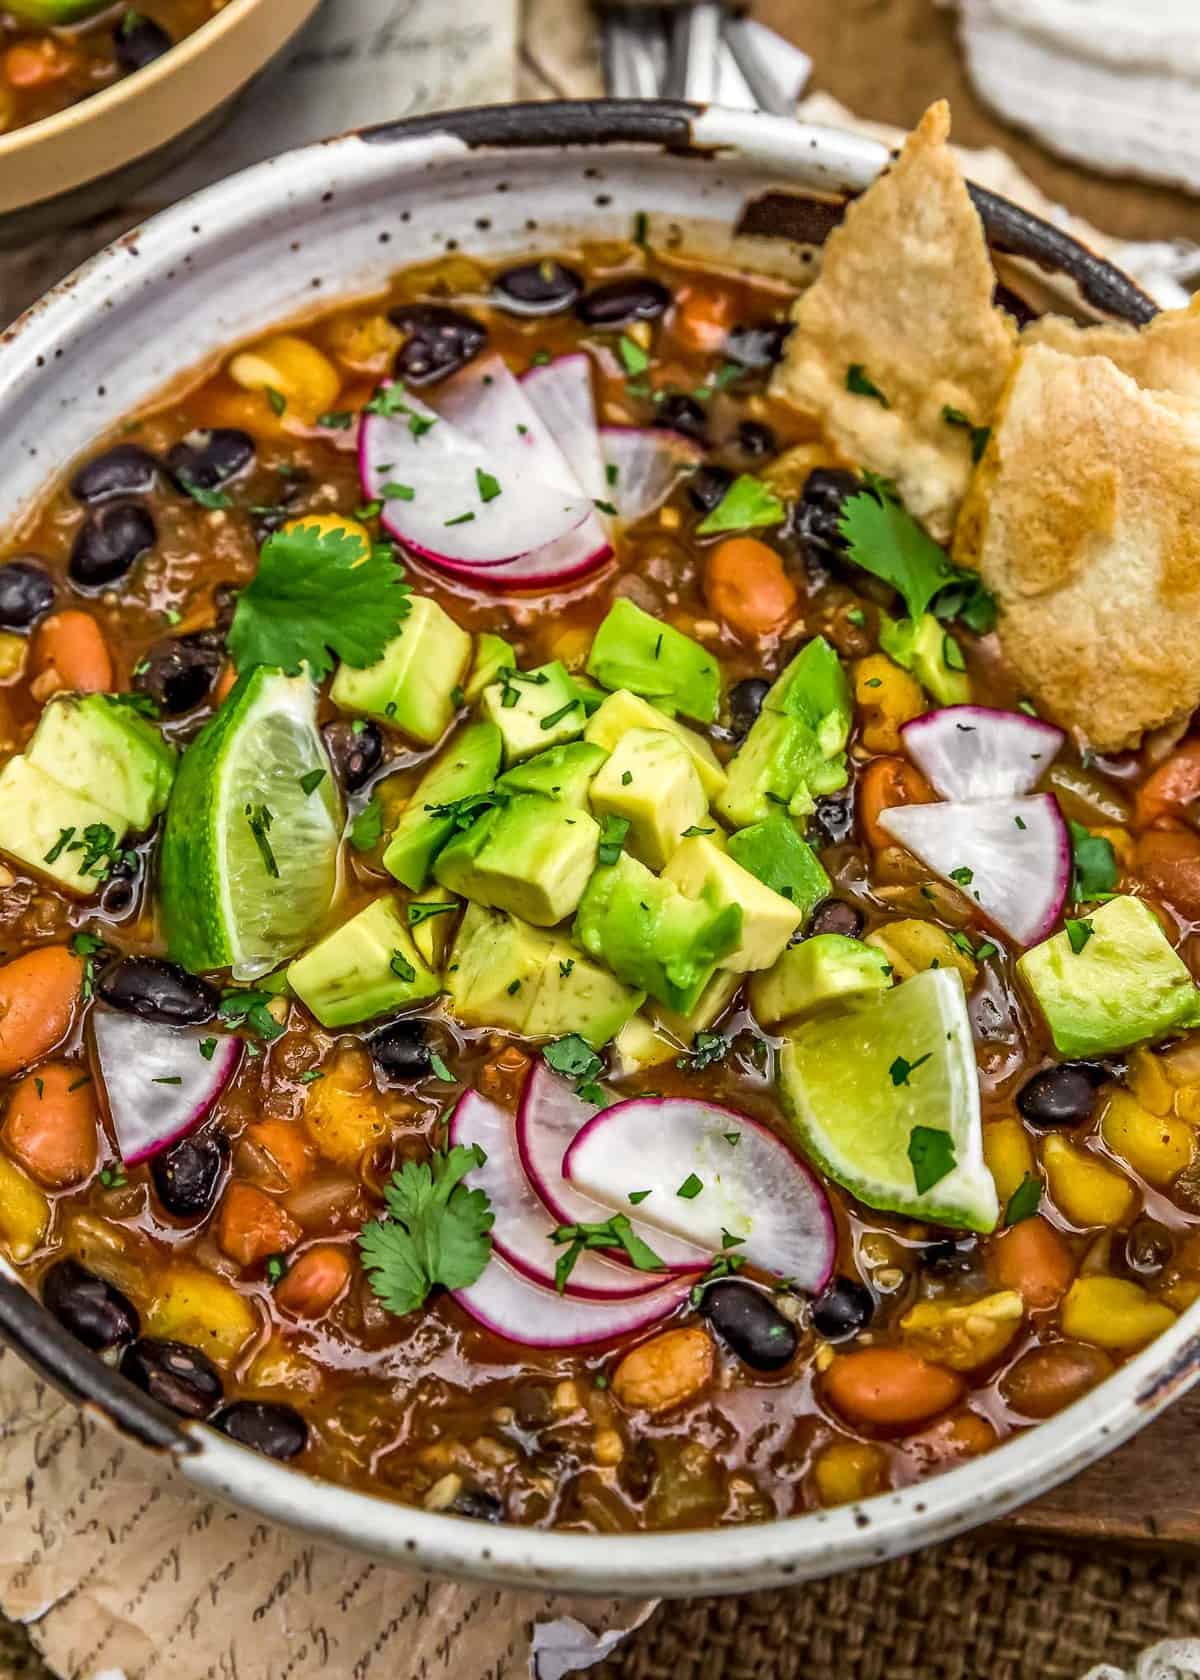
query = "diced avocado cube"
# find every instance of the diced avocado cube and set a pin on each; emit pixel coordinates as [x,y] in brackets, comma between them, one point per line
[42,825]
[492,655]
[413,685]
[701,870]
[563,773]
[639,1045]
[1123,986]
[817,973]
[652,935]
[815,689]
[712,1003]
[651,781]
[503,973]
[624,711]
[467,767]
[532,856]
[927,649]
[367,967]
[431,919]
[54,14]
[534,710]
[636,651]
[108,752]
[592,695]
[775,853]
[769,768]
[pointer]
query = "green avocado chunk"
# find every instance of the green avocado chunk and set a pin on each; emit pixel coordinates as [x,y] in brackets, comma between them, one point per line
[466,768]
[369,966]
[503,973]
[563,773]
[651,782]
[827,969]
[531,856]
[702,870]
[652,935]
[795,749]
[1124,985]
[492,655]
[814,688]
[413,686]
[534,710]
[624,711]
[633,650]
[773,851]
[105,750]
[926,648]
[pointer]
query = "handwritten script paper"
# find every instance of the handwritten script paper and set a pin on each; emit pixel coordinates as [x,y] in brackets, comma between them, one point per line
[125,1571]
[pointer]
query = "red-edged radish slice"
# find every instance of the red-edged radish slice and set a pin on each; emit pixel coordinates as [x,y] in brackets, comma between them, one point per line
[642,465]
[158,1084]
[711,1176]
[489,405]
[466,509]
[567,561]
[521,1233]
[1011,857]
[979,752]
[507,1304]
[561,391]
[549,1117]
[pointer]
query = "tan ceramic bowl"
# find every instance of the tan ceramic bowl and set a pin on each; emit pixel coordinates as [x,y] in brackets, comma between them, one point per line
[85,159]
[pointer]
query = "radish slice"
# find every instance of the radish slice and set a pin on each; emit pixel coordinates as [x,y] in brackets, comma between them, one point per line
[521,1233]
[712,1174]
[1011,857]
[644,463]
[566,561]
[978,752]
[561,391]
[489,406]
[548,1119]
[509,1305]
[158,1084]
[447,473]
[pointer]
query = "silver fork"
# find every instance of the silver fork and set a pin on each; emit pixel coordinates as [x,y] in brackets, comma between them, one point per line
[698,50]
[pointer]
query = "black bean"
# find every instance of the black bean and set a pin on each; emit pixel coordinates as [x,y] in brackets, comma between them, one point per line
[439,342]
[176,1375]
[179,674]
[707,485]
[815,516]
[207,458]
[835,916]
[949,1256]
[356,750]
[125,470]
[119,893]
[754,439]
[749,1323]
[619,303]
[1061,1096]
[759,345]
[89,1307]
[158,991]
[832,820]
[1148,1247]
[845,1308]
[477,1503]
[401,1052]
[138,41]
[109,542]
[187,1176]
[745,702]
[273,1430]
[26,594]
[537,288]
[678,412]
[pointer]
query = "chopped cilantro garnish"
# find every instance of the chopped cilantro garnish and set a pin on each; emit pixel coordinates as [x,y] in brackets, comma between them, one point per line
[634,359]
[207,1048]
[637,1197]
[489,487]
[260,819]
[312,779]
[690,833]
[392,492]
[1095,864]
[962,876]
[616,1232]
[206,498]
[336,420]
[402,968]
[707,1048]
[243,1007]
[435,1231]
[459,519]
[573,1057]
[886,541]
[901,1068]
[862,385]
[276,1269]
[276,399]
[931,1153]
[690,1188]
[1079,931]
[612,839]
[366,831]
[418,913]
[440,1070]
[1024,1201]
[551,718]
[113,1177]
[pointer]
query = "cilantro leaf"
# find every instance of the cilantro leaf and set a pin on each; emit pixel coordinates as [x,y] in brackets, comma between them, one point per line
[1079,931]
[931,1152]
[436,1231]
[573,1057]
[1095,864]
[317,594]
[748,503]
[616,1232]
[885,540]
[860,383]
[366,831]
[1024,1201]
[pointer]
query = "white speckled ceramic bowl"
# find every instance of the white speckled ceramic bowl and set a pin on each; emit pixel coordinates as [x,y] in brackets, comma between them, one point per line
[332,221]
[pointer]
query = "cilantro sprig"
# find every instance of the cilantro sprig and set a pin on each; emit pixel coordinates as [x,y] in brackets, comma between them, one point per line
[616,1232]
[436,1231]
[885,540]
[318,594]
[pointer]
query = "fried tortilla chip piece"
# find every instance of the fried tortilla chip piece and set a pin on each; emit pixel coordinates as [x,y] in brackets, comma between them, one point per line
[1082,522]
[905,297]
[1162,356]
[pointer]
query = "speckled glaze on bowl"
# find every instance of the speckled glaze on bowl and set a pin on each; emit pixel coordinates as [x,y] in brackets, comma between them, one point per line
[332,221]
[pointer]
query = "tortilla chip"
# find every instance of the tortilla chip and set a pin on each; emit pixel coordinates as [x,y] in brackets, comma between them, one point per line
[905,295]
[1081,520]
[1161,356]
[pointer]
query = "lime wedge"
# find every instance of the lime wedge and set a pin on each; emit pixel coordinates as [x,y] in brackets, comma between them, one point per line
[886,1101]
[250,847]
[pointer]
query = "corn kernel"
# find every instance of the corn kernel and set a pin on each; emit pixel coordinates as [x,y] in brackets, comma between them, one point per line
[24,1212]
[326,523]
[886,697]
[306,380]
[964,1335]
[444,1492]
[1113,1313]
[669,518]
[1157,1146]
[572,646]
[364,343]
[1008,1155]
[912,946]
[195,1306]
[1087,1191]
[1187,1104]
[849,1470]
[1147,1079]
[13,650]
[608,1447]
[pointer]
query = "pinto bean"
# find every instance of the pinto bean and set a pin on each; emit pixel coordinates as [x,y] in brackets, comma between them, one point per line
[70,648]
[51,1126]
[889,1388]
[315,1281]
[38,994]
[665,1371]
